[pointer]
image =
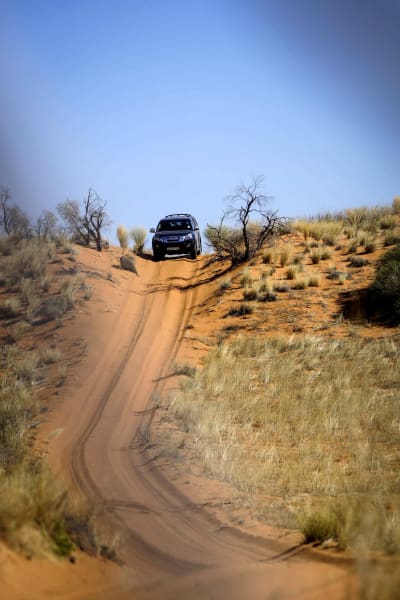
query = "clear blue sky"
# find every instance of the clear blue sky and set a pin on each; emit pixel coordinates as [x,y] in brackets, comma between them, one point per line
[166,106]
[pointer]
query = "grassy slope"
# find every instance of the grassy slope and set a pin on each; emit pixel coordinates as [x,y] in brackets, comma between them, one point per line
[36,515]
[298,403]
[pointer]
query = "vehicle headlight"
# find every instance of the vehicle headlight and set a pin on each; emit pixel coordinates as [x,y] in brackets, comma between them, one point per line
[188,237]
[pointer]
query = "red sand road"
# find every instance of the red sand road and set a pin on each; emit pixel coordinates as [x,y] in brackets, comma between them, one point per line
[100,440]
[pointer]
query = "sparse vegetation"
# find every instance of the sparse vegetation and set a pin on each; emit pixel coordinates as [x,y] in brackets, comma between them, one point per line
[326,410]
[35,511]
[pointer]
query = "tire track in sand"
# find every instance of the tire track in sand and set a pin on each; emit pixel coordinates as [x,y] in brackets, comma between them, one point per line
[164,534]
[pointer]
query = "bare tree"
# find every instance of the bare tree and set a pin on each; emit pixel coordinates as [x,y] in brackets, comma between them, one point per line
[70,213]
[12,218]
[254,224]
[89,225]
[5,196]
[95,217]
[19,222]
[46,225]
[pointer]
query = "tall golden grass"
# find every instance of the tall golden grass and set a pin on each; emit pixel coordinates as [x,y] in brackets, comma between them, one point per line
[308,424]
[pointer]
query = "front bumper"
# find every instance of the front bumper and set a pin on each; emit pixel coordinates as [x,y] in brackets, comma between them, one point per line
[172,248]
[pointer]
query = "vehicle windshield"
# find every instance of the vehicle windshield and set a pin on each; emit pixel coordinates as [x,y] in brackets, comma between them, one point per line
[174,225]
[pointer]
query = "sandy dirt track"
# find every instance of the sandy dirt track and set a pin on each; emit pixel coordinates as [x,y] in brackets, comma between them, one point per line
[171,547]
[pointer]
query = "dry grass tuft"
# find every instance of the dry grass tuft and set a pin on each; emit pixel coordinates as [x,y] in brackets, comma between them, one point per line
[138,235]
[123,236]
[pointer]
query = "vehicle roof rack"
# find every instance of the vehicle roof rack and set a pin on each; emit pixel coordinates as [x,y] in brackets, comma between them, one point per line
[177,215]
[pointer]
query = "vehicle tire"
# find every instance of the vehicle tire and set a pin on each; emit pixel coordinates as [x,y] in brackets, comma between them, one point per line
[158,256]
[193,253]
[200,250]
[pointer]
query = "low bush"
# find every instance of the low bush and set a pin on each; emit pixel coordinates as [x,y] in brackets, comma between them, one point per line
[384,293]
[250,294]
[128,264]
[268,256]
[392,237]
[241,309]
[16,408]
[357,261]
[396,206]
[292,271]
[370,245]
[281,286]
[10,307]
[267,296]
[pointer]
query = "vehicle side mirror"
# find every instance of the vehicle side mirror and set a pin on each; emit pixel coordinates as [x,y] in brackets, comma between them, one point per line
[152,230]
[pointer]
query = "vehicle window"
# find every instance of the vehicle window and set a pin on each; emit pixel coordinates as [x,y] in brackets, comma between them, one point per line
[175,225]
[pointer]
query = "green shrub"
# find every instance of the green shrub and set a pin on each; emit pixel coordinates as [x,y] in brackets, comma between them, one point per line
[321,526]
[385,291]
